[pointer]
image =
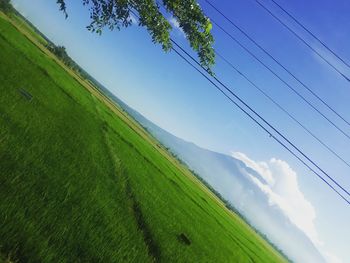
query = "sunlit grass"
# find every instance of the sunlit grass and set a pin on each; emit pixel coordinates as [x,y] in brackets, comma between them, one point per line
[78,184]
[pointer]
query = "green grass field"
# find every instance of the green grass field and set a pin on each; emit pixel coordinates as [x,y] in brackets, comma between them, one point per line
[79,183]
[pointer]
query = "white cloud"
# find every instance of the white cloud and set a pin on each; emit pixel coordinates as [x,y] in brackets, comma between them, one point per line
[260,167]
[331,258]
[281,187]
[133,19]
[176,25]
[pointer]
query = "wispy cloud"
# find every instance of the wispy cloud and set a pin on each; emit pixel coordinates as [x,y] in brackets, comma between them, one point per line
[173,21]
[322,52]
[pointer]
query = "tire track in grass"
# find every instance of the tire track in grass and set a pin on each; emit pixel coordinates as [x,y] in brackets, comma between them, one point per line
[153,248]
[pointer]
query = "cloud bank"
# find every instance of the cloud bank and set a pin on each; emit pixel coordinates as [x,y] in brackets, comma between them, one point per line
[267,194]
[283,191]
[280,184]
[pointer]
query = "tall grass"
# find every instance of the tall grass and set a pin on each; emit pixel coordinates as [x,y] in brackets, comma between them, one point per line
[78,184]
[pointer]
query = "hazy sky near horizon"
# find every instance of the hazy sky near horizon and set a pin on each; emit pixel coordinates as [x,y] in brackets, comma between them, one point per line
[168,92]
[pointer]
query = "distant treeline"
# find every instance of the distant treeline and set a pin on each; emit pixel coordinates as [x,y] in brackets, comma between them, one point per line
[6,6]
[61,53]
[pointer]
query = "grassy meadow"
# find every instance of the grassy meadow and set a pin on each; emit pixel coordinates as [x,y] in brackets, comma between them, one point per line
[80,181]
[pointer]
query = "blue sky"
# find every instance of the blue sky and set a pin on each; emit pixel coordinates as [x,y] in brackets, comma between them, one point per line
[169,93]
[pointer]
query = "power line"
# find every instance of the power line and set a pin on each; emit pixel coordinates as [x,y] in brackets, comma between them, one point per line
[279,63]
[281,108]
[259,124]
[312,34]
[269,97]
[301,39]
[266,95]
[282,80]
[266,122]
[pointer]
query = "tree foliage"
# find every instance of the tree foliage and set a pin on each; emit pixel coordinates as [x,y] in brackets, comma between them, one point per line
[61,53]
[5,6]
[117,14]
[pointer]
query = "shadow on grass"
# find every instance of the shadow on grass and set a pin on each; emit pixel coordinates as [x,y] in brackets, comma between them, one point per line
[152,246]
[184,239]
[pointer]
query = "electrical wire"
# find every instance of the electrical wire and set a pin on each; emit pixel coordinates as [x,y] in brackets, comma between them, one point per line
[281,108]
[279,63]
[262,127]
[259,124]
[282,80]
[302,40]
[312,34]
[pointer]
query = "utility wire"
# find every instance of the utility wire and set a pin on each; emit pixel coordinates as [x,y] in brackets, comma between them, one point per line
[266,122]
[265,94]
[301,39]
[279,63]
[282,80]
[281,108]
[260,125]
[312,34]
